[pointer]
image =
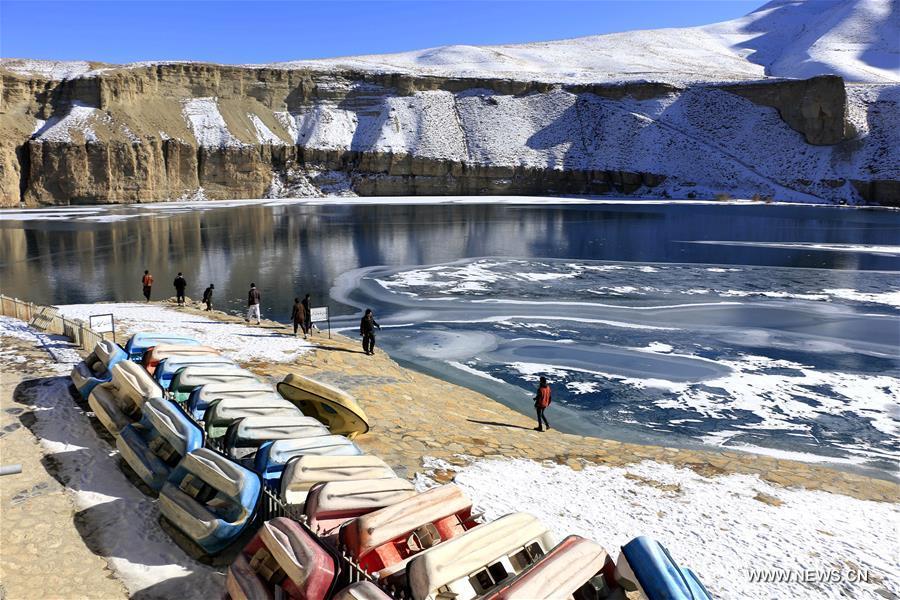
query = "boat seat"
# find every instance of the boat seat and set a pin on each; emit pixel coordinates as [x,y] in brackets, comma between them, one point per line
[272,456]
[303,472]
[95,369]
[474,563]
[188,379]
[645,567]
[163,351]
[576,567]
[202,397]
[210,499]
[153,446]
[222,413]
[383,540]
[118,403]
[362,590]
[143,341]
[329,505]
[243,437]
[166,370]
[283,560]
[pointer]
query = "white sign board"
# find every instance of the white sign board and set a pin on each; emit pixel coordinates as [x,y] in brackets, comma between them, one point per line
[318,314]
[101,323]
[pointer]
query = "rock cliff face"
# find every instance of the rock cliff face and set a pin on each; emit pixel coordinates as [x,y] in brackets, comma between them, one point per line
[166,131]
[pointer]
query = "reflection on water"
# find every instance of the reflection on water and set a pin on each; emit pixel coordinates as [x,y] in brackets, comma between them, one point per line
[66,257]
[752,326]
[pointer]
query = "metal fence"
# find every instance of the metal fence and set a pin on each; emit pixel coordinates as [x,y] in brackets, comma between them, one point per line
[48,319]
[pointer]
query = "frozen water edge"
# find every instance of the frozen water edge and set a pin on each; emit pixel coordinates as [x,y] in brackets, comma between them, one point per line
[720,527]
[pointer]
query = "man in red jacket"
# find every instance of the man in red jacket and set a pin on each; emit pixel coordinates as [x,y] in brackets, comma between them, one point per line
[541,402]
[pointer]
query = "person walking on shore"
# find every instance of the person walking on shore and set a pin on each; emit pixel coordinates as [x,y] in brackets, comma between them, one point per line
[541,402]
[307,315]
[367,327]
[180,284]
[147,283]
[207,296]
[298,317]
[253,298]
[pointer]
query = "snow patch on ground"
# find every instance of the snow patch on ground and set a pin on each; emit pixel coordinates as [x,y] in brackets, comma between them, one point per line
[240,342]
[80,120]
[719,527]
[264,135]
[118,519]
[50,69]
[207,123]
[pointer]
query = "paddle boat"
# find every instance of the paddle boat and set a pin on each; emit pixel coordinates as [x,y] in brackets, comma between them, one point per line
[475,563]
[222,413]
[330,505]
[303,472]
[243,437]
[118,403]
[189,378]
[155,444]
[161,352]
[272,456]
[210,499]
[166,370]
[646,571]
[202,397]
[363,590]
[95,369]
[384,541]
[141,342]
[575,568]
[282,561]
[335,408]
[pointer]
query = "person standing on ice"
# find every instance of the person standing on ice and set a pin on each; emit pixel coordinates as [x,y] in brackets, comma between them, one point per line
[367,327]
[180,284]
[307,315]
[253,304]
[207,296]
[147,282]
[541,402]
[298,317]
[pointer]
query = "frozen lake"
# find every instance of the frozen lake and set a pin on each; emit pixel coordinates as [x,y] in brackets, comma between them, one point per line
[765,327]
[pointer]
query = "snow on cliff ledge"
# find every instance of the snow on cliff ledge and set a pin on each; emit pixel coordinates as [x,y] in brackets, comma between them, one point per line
[856,39]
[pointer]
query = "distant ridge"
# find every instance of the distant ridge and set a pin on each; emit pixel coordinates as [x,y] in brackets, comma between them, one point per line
[856,39]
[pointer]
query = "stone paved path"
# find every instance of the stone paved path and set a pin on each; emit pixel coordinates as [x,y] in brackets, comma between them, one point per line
[42,553]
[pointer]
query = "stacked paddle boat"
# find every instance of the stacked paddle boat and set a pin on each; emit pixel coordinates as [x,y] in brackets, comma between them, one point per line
[97,367]
[222,448]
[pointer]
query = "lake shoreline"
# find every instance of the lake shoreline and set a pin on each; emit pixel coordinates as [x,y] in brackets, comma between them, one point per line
[415,415]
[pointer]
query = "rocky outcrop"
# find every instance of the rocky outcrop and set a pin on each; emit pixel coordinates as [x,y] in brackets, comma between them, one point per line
[815,107]
[156,132]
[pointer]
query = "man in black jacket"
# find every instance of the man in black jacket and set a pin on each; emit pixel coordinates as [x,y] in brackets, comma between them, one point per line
[253,298]
[307,315]
[207,296]
[367,327]
[180,285]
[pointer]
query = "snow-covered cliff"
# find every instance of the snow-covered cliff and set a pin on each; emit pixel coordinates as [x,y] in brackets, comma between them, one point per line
[674,113]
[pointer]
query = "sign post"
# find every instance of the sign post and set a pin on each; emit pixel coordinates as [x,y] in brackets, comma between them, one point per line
[320,314]
[103,324]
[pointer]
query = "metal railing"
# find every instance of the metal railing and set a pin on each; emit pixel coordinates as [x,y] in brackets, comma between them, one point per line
[48,319]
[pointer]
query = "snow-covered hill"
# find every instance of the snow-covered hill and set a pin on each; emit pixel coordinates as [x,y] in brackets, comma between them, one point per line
[856,39]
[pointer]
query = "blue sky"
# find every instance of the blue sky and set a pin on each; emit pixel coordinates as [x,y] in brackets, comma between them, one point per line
[263,31]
